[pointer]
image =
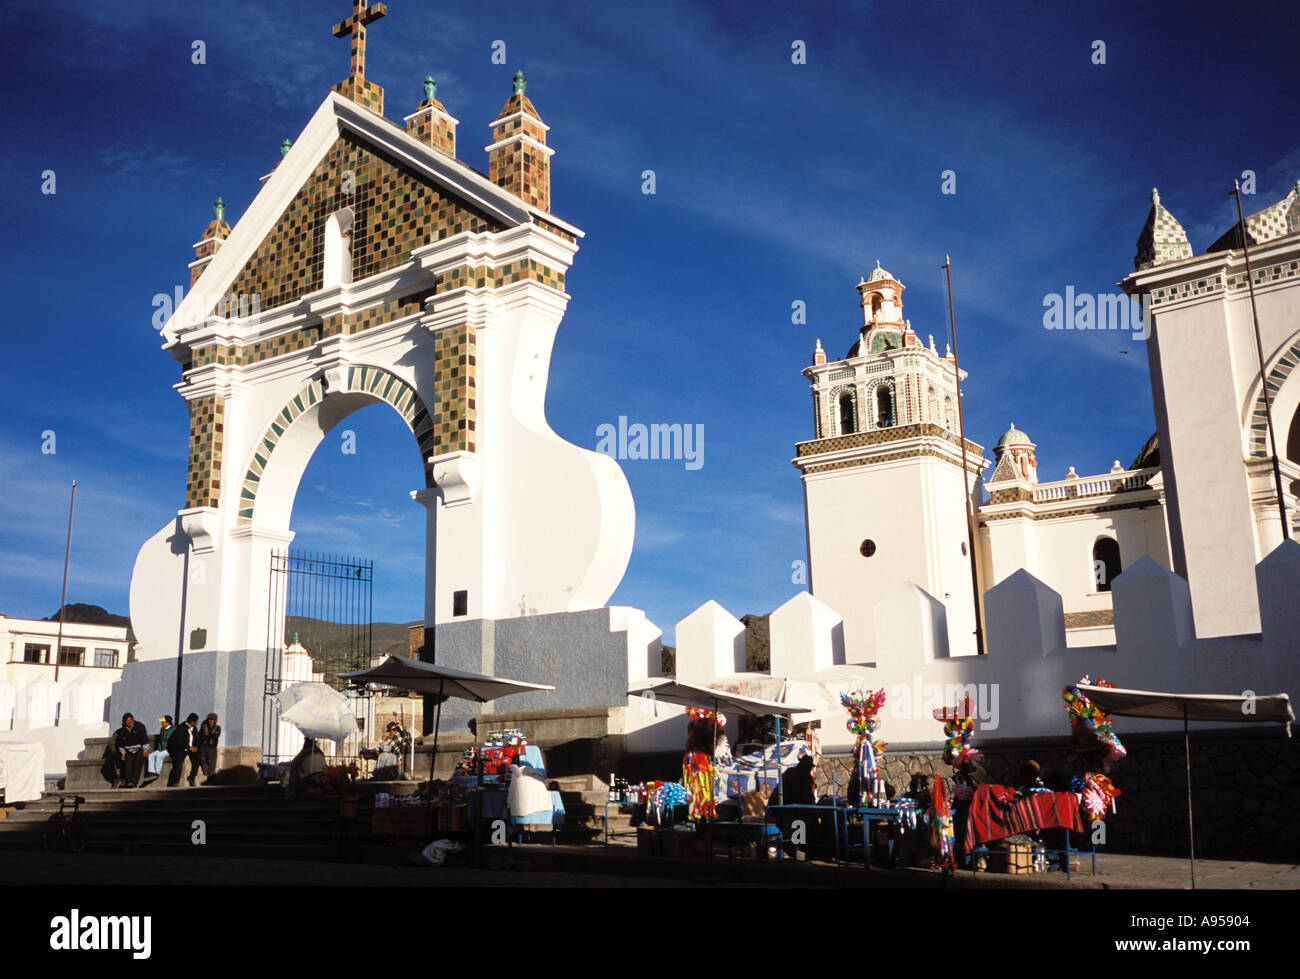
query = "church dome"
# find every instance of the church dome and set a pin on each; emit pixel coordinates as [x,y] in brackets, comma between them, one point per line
[1014,438]
[877,274]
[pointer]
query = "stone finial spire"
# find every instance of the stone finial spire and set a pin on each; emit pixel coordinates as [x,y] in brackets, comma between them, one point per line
[214,235]
[355,86]
[819,355]
[1162,239]
[518,158]
[431,123]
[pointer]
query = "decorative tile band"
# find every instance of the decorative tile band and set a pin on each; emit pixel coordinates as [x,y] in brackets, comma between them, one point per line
[1259,417]
[1085,620]
[207,434]
[879,436]
[304,337]
[554,229]
[369,380]
[1216,283]
[1062,514]
[455,416]
[886,457]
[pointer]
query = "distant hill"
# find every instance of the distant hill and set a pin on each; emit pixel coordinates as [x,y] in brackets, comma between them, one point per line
[93,615]
[386,638]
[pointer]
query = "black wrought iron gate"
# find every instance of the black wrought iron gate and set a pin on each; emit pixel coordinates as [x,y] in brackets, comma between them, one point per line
[323,602]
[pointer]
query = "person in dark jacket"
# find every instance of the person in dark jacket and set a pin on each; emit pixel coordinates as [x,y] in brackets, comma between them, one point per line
[206,738]
[181,746]
[159,753]
[131,744]
[797,785]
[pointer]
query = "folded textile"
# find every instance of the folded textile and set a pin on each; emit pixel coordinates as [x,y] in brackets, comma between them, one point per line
[997,811]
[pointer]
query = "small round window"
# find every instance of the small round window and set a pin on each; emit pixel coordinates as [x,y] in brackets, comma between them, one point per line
[868,548]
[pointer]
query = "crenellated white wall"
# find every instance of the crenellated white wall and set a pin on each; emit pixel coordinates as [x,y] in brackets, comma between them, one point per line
[1015,689]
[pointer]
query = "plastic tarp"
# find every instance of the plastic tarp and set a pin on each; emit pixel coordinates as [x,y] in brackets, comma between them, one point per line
[531,802]
[22,771]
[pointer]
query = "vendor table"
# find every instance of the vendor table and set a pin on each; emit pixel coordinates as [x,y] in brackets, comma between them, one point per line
[418,821]
[638,807]
[997,811]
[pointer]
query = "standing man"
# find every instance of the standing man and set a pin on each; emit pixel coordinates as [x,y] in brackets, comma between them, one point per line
[207,737]
[131,742]
[181,746]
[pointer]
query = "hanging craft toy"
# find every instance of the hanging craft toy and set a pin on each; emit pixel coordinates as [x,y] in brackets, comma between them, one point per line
[941,826]
[697,764]
[1087,720]
[864,713]
[958,727]
[1098,794]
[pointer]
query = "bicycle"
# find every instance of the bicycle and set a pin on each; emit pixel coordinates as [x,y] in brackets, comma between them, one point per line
[66,830]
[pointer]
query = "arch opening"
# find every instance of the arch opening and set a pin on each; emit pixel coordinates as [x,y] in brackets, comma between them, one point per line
[1106,565]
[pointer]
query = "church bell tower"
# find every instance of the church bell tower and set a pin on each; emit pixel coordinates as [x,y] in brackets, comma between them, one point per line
[886,477]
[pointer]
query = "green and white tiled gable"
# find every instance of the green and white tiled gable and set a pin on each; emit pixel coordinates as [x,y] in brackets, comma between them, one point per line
[1162,239]
[394,210]
[1274,221]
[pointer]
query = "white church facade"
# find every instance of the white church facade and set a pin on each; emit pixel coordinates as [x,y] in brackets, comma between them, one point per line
[1113,574]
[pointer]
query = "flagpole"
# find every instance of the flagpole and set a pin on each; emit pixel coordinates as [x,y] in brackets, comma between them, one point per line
[63,595]
[966,488]
[1259,351]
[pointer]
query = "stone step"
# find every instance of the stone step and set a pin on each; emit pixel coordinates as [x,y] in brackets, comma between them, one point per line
[579,783]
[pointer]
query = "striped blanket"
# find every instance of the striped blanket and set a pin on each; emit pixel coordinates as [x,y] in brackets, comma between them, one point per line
[997,812]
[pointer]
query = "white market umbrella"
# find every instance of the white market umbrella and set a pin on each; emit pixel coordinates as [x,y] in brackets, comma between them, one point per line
[441,682]
[317,710]
[1218,708]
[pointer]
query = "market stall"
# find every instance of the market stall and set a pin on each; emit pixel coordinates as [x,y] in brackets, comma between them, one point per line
[443,683]
[1215,708]
[704,707]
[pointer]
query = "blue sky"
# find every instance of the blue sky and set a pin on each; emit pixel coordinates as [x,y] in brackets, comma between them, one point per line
[775,182]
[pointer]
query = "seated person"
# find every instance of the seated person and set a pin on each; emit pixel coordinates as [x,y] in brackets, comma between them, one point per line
[309,762]
[391,753]
[1028,778]
[156,758]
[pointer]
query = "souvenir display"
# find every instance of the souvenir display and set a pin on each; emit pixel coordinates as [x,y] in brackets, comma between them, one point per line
[697,764]
[1088,721]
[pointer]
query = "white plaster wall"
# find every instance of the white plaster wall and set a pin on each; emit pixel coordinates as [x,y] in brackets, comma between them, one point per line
[914,511]
[710,644]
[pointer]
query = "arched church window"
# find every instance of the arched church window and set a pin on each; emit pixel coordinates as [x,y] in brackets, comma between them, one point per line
[848,417]
[1105,562]
[875,305]
[931,406]
[338,248]
[884,406]
[949,416]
